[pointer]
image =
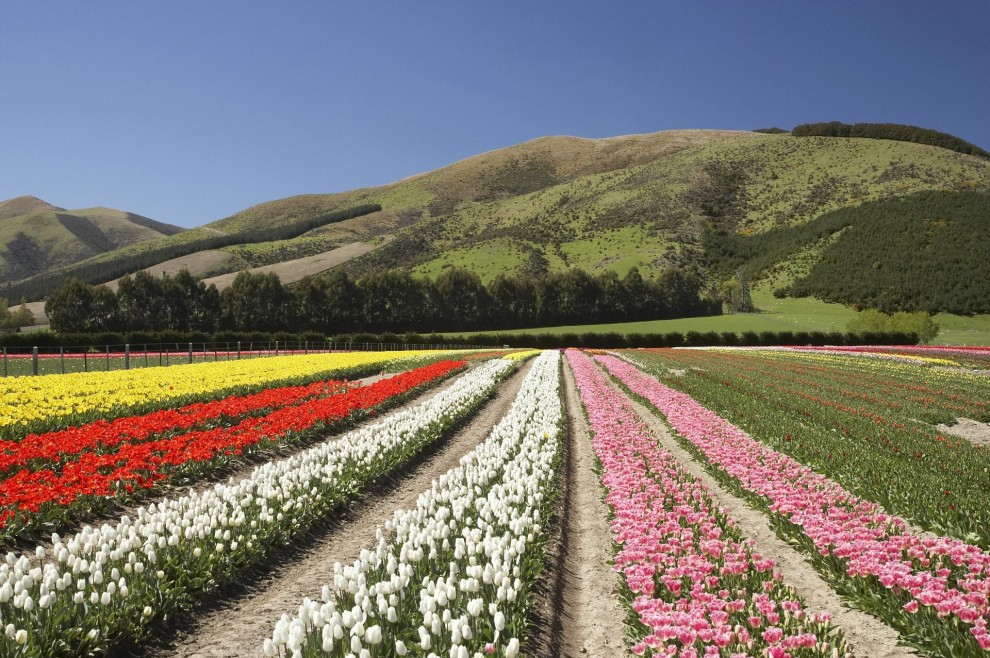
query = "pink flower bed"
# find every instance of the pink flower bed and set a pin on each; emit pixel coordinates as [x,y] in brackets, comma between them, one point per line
[695,584]
[935,589]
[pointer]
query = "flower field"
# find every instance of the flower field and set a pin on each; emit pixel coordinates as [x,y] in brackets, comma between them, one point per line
[132,456]
[50,402]
[452,575]
[841,454]
[691,579]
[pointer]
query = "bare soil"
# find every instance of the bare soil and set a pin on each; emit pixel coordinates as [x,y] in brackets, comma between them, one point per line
[291,271]
[968,371]
[198,264]
[590,619]
[238,624]
[973,431]
[868,636]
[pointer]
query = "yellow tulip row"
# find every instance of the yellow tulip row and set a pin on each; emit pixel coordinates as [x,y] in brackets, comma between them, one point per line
[521,356]
[50,401]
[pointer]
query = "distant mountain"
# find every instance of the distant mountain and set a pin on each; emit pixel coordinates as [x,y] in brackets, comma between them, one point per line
[649,201]
[36,236]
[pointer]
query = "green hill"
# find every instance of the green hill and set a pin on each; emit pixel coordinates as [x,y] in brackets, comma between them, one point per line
[36,236]
[646,201]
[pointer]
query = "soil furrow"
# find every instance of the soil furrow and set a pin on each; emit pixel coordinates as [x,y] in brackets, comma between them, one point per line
[237,624]
[868,635]
[582,615]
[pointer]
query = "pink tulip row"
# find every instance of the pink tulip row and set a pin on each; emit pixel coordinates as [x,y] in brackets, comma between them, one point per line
[872,551]
[695,584]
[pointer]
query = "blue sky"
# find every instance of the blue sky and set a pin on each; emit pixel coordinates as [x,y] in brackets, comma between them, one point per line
[189,111]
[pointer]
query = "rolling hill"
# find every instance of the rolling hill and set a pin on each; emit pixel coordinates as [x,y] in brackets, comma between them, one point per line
[36,237]
[553,203]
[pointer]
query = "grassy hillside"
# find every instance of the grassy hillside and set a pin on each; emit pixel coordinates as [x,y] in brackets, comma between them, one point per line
[600,204]
[651,215]
[36,236]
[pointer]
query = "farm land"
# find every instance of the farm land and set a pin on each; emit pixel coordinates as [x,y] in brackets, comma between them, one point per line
[690,502]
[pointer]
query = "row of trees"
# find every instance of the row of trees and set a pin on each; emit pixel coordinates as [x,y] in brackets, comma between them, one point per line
[872,321]
[392,301]
[13,321]
[894,131]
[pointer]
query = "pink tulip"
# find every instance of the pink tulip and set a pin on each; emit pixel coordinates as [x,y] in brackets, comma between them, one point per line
[942,573]
[690,575]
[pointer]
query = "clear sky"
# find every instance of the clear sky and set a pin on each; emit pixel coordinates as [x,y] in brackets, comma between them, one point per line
[189,111]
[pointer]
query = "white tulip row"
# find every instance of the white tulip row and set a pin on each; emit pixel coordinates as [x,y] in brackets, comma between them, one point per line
[450,577]
[104,585]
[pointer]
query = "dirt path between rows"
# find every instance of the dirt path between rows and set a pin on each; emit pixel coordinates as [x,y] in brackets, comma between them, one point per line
[868,636]
[238,625]
[591,619]
[973,431]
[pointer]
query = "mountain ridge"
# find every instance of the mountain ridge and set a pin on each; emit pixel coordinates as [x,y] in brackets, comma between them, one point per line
[601,204]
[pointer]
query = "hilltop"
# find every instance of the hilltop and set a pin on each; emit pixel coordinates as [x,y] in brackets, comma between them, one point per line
[36,236]
[553,203]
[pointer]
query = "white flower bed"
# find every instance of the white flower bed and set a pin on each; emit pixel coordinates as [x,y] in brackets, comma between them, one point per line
[450,577]
[105,584]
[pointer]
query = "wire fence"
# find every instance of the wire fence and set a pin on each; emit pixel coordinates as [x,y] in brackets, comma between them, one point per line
[21,361]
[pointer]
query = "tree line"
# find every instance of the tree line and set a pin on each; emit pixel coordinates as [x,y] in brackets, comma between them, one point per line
[387,301]
[918,324]
[50,342]
[894,131]
[148,255]
[14,320]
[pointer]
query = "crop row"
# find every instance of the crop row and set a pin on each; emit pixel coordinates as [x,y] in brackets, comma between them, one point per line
[856,423]
[53,402]
[453,575]
[934,590]
[102,587]
[691,579]
[47,496]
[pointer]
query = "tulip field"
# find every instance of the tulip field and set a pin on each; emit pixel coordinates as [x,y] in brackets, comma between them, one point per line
[767,502]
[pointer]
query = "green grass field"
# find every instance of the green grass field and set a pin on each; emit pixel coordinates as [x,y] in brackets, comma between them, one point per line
[805,314]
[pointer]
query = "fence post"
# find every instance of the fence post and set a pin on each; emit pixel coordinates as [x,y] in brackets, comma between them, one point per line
[34,361]
[238,350]
[127,356]
[276,348]
[108,358]
[61,359]
[5,362]
[190,352]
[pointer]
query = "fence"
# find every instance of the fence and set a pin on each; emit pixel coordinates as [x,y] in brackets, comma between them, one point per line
[18,361]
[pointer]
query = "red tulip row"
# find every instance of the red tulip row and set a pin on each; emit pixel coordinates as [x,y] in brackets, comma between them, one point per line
[48,495]
[40,450]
